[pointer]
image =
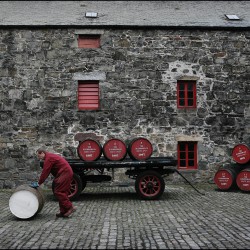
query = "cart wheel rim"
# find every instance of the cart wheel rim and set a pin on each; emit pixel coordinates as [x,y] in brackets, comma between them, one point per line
[150,185]
[73,188]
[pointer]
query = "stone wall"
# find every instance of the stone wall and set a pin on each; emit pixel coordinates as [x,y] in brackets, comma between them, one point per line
[138,71]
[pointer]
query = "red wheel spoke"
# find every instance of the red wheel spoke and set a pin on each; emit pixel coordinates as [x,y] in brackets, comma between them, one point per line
[150,185]
[73,188]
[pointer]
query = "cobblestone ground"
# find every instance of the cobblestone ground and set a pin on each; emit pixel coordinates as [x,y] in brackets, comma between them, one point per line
[113,217]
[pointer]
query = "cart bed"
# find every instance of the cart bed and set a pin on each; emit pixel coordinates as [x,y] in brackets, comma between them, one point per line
[126,163]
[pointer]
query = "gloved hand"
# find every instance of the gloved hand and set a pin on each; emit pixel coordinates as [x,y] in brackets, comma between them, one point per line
[34,184]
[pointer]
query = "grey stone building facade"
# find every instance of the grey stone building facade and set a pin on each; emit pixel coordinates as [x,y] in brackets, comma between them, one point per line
[146,50]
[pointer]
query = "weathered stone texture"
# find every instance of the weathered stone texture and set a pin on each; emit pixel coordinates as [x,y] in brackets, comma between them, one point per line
[138,71]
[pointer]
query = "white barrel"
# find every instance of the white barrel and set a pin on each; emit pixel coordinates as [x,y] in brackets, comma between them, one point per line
[25,202]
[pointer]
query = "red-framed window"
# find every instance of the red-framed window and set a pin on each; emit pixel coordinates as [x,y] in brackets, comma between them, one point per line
[186,94]
[89,41]
[88,95]
[187,155]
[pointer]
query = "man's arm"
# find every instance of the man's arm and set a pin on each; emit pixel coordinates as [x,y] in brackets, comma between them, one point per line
[45,172]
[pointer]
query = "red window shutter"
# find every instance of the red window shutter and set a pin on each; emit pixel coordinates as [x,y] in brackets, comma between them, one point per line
[187,155]
[88,41]
[88,95]
[186,94]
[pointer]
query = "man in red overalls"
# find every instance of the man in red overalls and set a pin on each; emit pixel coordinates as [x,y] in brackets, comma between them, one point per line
[61,170]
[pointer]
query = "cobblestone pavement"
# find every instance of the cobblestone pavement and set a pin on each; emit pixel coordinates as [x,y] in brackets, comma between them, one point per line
[113,217]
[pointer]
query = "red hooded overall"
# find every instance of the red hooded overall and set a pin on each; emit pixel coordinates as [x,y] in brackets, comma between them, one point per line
[61,170]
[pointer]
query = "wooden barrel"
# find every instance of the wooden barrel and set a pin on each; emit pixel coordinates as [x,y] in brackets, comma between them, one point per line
[225,177]
[89,150]
[26,202]
[140,149]
[114,149]
[243,179]
[241,153]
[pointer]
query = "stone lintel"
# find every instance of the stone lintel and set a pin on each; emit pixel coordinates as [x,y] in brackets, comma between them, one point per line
[188,78]
[188,138]
[89,32]
[99,76]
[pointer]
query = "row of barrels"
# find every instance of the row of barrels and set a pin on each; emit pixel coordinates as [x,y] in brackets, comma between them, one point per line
[235,175]
[115,149]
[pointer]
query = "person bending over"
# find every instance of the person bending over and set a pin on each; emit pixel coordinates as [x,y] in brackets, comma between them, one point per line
[63,173]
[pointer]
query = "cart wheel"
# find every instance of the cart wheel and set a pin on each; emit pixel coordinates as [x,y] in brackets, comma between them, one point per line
[149,185]
[75,187]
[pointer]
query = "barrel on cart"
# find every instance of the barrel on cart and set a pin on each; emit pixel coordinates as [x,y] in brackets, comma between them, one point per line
[140,149]
[114,149]
[89,150]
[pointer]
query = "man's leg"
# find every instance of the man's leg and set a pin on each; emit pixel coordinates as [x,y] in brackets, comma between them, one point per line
[61,191]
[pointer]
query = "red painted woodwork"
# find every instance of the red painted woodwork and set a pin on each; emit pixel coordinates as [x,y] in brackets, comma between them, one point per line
[114,150]
[140,149]
[186,94]
[88,95]
[88,41]
[243,180]
[225,177]
[187,155]
[89,150]
[241,154]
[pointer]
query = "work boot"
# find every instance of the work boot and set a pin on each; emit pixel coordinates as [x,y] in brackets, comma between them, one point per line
[69,212]
[59,215]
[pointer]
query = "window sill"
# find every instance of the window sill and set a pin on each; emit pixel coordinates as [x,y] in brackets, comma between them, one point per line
[187,170]
[89,110]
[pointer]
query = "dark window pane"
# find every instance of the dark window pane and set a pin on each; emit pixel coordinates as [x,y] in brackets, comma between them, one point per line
[190,95]
[191,147]
[182,102]
[182,163]
[182,147]
[181,86]
[182,94]
[190,86]
[190,102]
[190,155]
[182,155]
[191,163]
